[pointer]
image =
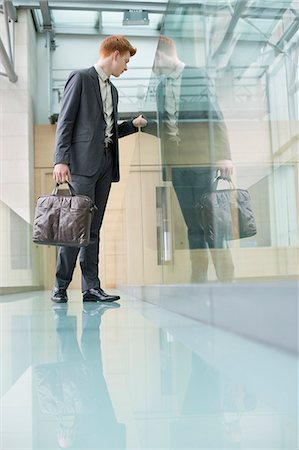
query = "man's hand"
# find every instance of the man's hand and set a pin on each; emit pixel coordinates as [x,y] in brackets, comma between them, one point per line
[139,122]
[225,167]
[61,173]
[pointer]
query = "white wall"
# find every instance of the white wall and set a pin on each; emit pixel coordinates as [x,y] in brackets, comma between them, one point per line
[16,123]
[17,262]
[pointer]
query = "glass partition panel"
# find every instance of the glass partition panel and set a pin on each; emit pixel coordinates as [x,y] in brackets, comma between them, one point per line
[222,105]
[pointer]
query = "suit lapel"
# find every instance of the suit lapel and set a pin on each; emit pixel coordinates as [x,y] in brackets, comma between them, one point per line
[114,100]
[95,80]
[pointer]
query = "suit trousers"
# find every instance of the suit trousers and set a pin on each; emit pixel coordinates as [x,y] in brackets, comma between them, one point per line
[189,185]
[97,187]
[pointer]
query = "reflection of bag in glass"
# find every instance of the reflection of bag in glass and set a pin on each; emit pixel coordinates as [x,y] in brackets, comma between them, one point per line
[226,213]
[63,219]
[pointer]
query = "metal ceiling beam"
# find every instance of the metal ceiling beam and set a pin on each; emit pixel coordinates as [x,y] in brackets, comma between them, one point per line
[229,38]
[7,64]
[291,30]
[46,15]
[255,12]
[120,5]
[47,24]
[107,31]
[10,10]
[7,59]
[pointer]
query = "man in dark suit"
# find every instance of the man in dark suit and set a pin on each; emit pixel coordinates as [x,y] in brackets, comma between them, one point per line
[194,146]
[86,154]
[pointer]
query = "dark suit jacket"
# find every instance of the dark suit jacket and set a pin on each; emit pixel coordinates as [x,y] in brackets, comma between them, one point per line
[202,131]
[81,125]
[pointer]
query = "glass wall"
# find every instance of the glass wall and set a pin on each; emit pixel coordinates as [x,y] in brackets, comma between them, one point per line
[222,102]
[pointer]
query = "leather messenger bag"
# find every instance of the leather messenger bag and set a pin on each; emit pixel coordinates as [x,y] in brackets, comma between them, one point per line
[226,213]
[63,220]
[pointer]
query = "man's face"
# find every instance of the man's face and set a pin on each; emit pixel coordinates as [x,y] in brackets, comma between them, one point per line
[120,62]
[164,63]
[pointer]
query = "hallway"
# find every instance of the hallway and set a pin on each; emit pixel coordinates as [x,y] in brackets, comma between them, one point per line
[136,376]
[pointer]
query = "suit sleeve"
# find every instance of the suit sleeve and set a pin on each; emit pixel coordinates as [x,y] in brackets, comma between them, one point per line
[67,118]
[126,128]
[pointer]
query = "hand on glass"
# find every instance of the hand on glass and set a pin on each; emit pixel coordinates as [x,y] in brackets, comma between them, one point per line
[139,122]
[224,168]
[61,173]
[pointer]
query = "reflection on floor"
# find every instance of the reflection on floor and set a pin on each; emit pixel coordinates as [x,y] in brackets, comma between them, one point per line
[135,376]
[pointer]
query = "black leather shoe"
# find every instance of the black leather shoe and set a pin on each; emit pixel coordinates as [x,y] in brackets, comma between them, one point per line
[59,296]
[98,295]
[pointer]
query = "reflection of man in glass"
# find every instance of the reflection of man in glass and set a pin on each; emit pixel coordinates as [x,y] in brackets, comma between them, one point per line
[74,389]
[194,145]
[211,411]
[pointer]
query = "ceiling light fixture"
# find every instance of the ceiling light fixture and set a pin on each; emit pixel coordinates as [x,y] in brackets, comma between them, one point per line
[135,17]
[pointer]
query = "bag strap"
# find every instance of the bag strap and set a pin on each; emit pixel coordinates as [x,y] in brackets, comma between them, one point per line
[70,188]
[218,178]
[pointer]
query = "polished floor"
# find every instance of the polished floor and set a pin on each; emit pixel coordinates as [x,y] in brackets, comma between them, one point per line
[136,376]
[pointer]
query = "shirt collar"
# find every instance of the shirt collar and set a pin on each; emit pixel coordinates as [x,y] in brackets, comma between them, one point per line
[177,71]
[104,77]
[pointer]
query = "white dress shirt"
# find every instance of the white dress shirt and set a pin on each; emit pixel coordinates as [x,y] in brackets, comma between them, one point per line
[107,103]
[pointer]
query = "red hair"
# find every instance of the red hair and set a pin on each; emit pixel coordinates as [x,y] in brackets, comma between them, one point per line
[117,42]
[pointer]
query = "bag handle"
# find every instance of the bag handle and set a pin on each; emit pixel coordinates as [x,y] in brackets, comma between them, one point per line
[218,178]
[70,188]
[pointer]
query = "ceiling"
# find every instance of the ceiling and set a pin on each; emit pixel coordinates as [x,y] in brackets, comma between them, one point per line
[107,17]
[96,17]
